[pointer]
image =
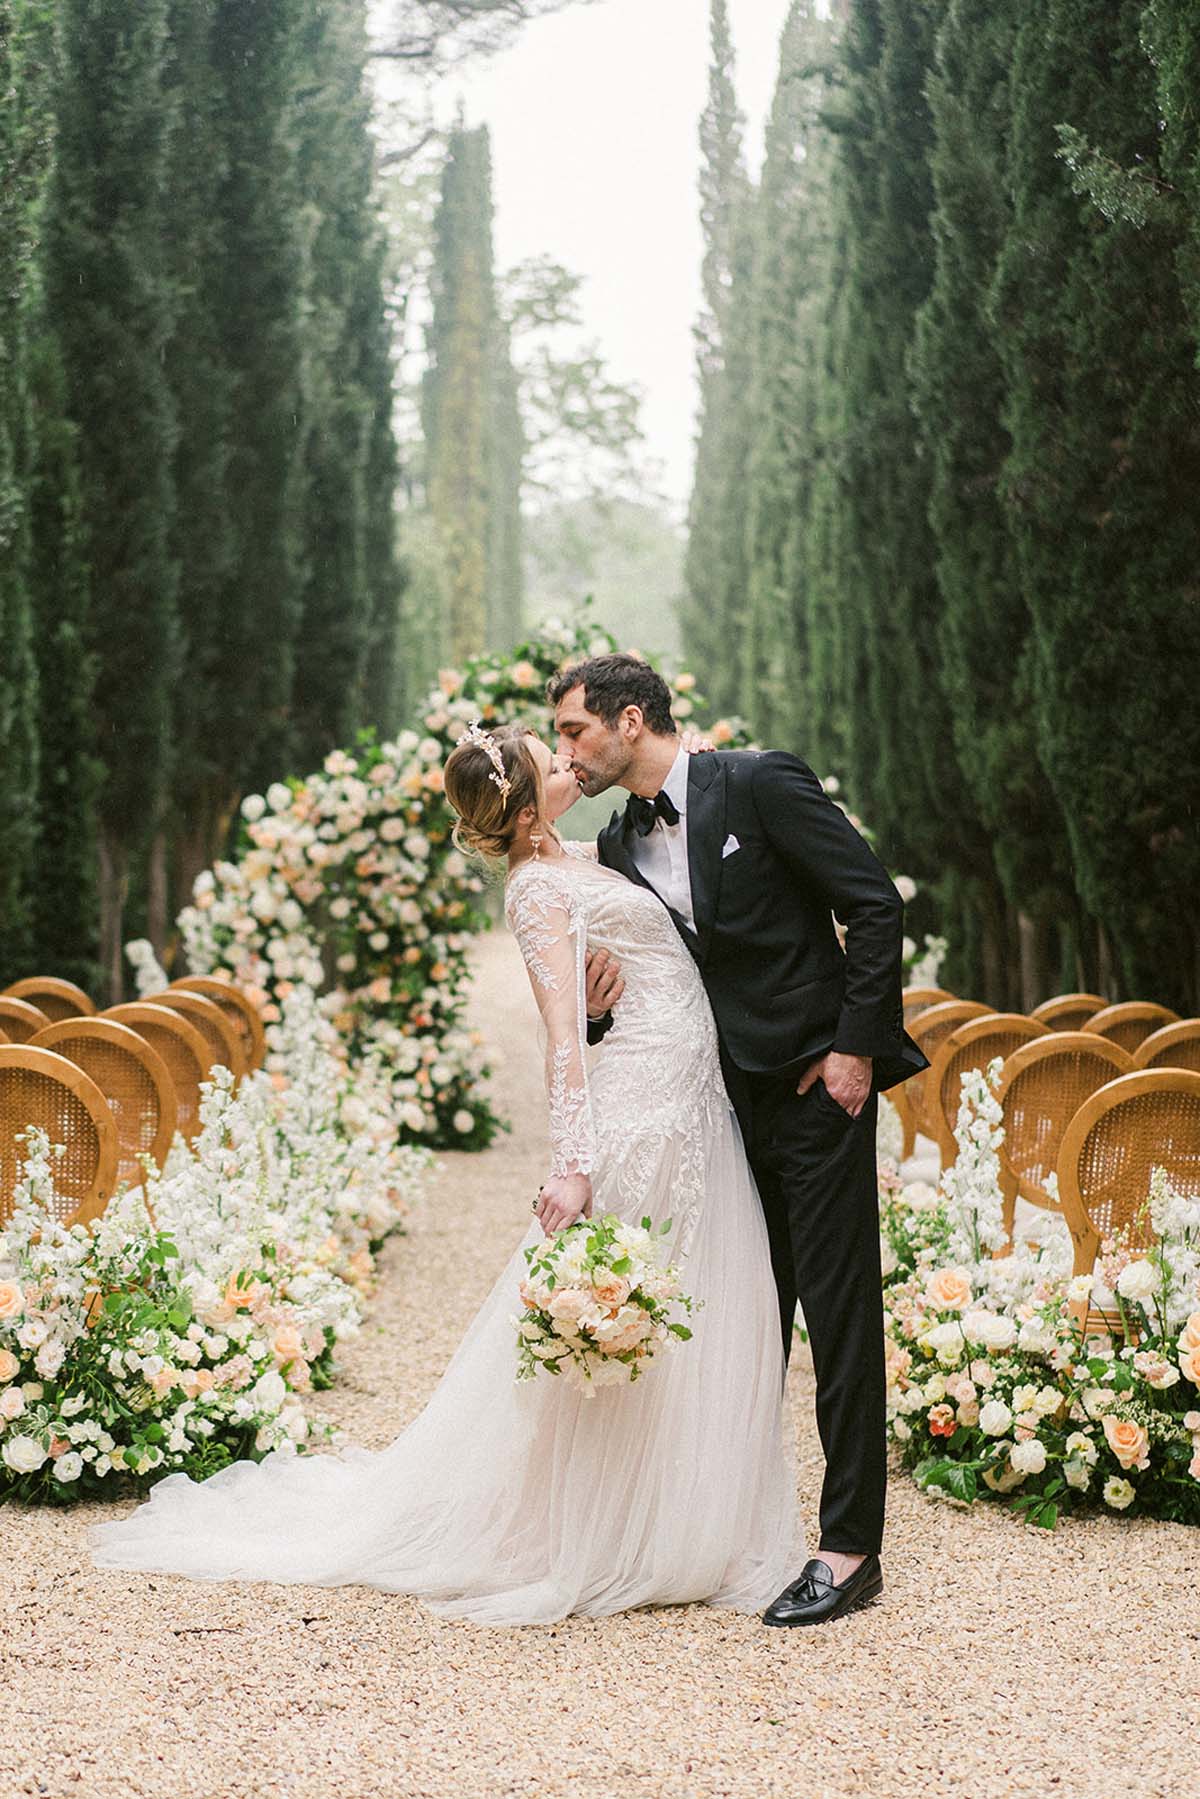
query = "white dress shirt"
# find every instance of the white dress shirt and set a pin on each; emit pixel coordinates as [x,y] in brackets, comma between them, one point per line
[661,855]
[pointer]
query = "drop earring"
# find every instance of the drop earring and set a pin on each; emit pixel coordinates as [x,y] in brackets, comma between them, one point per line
[535,837]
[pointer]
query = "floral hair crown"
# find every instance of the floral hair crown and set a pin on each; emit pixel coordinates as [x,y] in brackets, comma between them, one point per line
[475,734]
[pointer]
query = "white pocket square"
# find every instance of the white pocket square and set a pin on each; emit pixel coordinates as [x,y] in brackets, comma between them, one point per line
[731,843]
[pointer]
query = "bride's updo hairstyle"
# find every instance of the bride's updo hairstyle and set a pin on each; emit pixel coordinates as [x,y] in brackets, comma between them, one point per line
[487,815]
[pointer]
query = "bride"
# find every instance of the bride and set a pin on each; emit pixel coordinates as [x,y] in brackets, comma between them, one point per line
[513,1503]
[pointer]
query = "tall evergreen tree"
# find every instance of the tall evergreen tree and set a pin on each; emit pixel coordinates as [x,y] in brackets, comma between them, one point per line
[23,151]
[959,390]
[505,482]
[715,563]
[107,292]
[386,688]
[458,394]
[1102,410]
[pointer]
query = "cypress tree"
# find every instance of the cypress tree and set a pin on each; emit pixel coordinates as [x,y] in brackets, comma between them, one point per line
[458,391]
[385,690]
[1102,409]
[23,149]
[505,480]
[984,639]
[107,292]
[715,561]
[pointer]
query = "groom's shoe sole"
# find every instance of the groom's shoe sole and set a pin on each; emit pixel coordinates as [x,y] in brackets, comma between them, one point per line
[870,1594]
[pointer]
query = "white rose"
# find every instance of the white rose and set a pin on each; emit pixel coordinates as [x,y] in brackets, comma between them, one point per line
[269,1391]
[24,1455]
[1097,1400]
[919,1196]
[378,940]
[340,907]
[33,1333]
[1138,1281]
[1077,1474]
[994,1418]
[68,1466]
[990,1329]
[12,1403]
[900,1430]
[279,797]
[1029,1457]
[464,1123]
[253,807]
[49,1359]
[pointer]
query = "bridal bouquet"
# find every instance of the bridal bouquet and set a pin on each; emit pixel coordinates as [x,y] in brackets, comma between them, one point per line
[597,1303]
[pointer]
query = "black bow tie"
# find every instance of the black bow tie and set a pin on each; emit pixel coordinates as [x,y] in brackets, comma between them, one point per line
[642,813]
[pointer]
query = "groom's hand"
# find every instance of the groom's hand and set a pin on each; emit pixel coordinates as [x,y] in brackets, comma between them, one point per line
[847,1080]
[604,983]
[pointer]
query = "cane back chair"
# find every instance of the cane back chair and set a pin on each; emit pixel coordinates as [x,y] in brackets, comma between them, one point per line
[1068,1011]
[19,1020]
[238,1007]
[1130,1022]
[929,1031]
[211,1020]
[1173,1046]
[1042,1086]
[972,1045]
[134,1080]
[38,1087]
[916,1001]
[183,1048]
[57,999]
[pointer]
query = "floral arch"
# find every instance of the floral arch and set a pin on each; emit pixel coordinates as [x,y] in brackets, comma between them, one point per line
[347,881]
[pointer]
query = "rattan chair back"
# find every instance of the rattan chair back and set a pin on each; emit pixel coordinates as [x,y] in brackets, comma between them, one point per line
[238,1007]
[1042,1086]
[211,1020]
[1116,1139]
[1068,1011]
[57,999]
[1173,1046]
[973,1045]
[134,1080]
[929,1031]
[183,1048]
[916,1001]
[1130,1022]
[39,1088]
[20,1020]
[919,999]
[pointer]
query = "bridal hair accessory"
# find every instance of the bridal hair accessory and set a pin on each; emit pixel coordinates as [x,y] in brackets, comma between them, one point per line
[475,733]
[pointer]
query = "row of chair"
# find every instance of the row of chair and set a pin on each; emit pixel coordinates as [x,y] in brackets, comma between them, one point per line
[1096,1113]
[113,1086]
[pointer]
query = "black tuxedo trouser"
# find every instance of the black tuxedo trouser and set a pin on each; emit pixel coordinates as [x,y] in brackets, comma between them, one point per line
[816,1172]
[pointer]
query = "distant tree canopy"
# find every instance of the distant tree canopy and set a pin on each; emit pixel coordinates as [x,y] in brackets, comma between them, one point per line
[941,514]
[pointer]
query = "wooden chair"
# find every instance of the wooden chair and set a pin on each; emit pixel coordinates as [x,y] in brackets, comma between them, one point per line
[916,1001]
[37,1087]
[1172,1046]
[211,1020]
[240,1009]
[133,1078]
[1131,1022]
[57,999]
[1129,1127]
[929,1031]
[1042,1086]
[20,1020]
[1068,1011]
[183,1048]
[973,1045]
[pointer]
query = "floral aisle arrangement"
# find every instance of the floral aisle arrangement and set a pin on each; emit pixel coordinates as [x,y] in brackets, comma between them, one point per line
[179,1331]
[994,1390]
[598,1302]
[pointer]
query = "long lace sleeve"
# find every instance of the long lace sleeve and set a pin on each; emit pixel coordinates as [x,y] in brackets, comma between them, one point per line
[547,920]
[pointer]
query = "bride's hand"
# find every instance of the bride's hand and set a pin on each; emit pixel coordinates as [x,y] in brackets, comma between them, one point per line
[563,1199]
[694,741]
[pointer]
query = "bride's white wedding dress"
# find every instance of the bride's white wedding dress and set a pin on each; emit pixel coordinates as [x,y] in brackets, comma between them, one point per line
[513,1504]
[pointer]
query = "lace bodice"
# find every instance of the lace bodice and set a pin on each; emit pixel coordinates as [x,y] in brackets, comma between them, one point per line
[657,1074]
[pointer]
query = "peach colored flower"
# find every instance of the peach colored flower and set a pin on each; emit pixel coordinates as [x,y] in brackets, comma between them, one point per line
[1189,1365]
[1194,1466]
[244,1296]
[8,1364]
[524,674]
[1128,1442]
[59,1446]
[1189,1336]
[12,1300]
[722,731]
[287,1343]
[948,1290]
[942,1422]
[968,1412]
[163,1381]
[611,1289]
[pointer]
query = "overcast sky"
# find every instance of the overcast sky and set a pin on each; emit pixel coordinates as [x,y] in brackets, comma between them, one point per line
[593,115]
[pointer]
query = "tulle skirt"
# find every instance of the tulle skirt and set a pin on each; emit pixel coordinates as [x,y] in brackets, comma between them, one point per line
[512,1503]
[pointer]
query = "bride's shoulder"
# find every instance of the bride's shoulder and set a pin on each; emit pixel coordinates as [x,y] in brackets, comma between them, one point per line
[539,883]
[581,850]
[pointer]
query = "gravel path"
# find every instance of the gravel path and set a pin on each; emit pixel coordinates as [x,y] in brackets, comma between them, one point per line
[1003,1662]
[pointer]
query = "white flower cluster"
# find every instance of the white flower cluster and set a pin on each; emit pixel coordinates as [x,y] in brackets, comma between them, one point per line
[971,1186]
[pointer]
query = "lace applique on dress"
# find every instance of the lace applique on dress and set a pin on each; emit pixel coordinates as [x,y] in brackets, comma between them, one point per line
[548,920]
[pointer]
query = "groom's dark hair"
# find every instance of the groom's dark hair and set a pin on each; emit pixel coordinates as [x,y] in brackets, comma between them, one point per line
[610,683]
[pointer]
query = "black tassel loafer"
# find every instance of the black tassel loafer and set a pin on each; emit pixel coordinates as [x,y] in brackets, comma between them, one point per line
[813,1599]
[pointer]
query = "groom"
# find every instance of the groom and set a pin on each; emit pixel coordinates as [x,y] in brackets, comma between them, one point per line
[754,861]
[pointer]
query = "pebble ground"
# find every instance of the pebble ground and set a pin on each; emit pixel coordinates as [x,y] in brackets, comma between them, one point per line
[1004,1661]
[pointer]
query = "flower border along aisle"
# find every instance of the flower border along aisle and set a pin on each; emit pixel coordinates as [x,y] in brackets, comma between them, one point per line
[176,1333]
[992,1388]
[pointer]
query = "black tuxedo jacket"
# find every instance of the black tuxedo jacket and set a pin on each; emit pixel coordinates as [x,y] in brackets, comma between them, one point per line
[781,988]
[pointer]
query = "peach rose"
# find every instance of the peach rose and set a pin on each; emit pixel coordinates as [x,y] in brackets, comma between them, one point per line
[941,1421]
[12,1300]
[163,1381]
[1189,1336]
[1194,1466]
[1189,1365]
[948,1290]
[8,1364]
[244,1296]
[611,1289]
[287,1343]
[1128,1442]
